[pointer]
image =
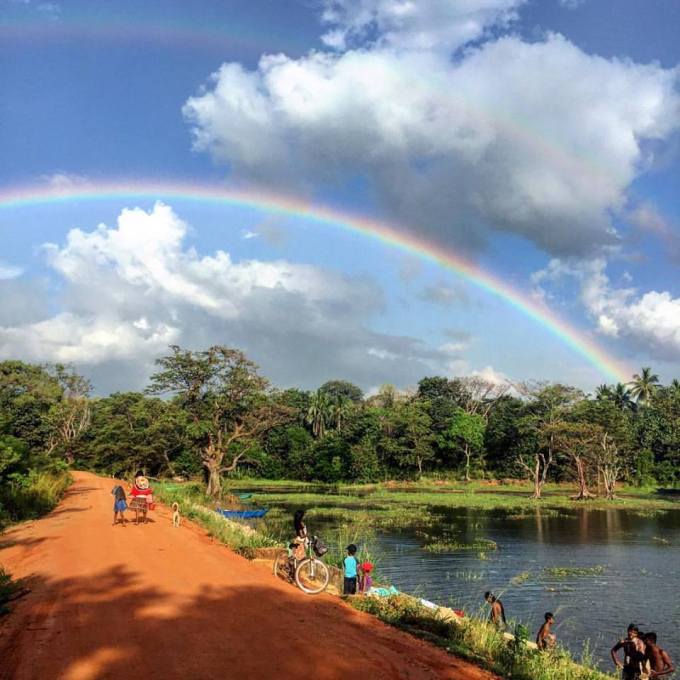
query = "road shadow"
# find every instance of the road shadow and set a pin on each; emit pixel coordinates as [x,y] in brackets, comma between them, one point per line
[109,625]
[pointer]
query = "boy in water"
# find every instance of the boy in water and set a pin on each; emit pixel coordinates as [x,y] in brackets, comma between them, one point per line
[497,616]
[545,638]
[634,654]
[660,663]
[350,563]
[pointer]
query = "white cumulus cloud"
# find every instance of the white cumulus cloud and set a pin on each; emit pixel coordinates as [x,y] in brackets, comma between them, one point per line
[649,320]
[414,24]
[128,291]
[540,140]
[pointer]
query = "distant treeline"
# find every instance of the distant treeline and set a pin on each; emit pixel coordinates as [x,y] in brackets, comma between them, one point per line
[210,413]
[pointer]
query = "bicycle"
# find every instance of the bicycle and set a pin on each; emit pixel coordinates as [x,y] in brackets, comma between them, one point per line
[309,574]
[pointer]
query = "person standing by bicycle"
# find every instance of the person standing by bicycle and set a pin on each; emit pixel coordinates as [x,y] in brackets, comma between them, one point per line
[301,540]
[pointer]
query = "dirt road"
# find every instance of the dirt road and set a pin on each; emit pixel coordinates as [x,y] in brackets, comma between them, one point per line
[153,602]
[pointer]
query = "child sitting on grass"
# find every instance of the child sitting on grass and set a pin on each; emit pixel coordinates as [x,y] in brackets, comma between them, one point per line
[351,565]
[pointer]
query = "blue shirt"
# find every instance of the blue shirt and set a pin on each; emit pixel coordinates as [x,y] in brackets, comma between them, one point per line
[350,563]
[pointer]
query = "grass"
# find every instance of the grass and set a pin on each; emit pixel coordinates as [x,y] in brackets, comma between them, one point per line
[568,572]
[241,538]
[479,642]
[442,545]
[31,497]
[397,505]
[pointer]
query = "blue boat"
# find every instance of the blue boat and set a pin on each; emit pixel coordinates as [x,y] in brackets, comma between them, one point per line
[242,514]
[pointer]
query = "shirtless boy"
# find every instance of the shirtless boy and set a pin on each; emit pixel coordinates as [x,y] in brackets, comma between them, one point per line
[660,663]
[634,654]
[497,616]
[546,639]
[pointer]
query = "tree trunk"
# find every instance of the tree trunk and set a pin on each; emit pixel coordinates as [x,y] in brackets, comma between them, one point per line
[467,462]
[538,482]
[583,492]
[214,479]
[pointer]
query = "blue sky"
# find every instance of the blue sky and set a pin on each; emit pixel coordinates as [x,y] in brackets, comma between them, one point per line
[537,138]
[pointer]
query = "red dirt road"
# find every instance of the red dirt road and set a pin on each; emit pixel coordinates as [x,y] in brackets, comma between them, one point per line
[154,602]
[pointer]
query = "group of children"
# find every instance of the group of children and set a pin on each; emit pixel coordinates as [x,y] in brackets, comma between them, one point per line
[142,498]
[357,575]
[643,658]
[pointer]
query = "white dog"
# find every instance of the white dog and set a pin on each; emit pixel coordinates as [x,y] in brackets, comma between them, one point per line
[176,518]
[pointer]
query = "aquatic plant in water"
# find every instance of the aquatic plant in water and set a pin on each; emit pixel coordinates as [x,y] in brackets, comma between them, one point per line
[451,546]
[566,572]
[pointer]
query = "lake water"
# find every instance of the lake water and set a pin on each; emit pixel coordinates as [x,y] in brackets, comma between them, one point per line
[639,581]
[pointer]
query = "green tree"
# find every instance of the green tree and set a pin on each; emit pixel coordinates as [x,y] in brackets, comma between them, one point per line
[130,431]
[69,416]
[547,405]
[578,442]
[503,439]
[319,413]
[27,393]
[227,402]
[342,389]
[643,385]
[613,452]
[466,432]
[657,430]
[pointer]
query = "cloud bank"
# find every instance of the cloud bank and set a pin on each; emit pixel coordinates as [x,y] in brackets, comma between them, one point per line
[540,140]
[130,290]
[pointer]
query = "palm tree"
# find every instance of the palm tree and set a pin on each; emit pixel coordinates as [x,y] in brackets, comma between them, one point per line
[339,410]
[643,385]
[319,413]
[603,392]
[675,384]
[622,397]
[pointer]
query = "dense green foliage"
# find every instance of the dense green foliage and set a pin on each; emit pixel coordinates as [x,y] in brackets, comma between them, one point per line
[208,414]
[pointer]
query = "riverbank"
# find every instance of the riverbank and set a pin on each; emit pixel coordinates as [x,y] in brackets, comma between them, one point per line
[469,637]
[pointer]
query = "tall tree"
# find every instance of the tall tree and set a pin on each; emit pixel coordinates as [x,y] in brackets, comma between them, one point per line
[69,417]
[227,401]
[643,385]
[547,405]
[578,442]
[466,430]
[319,413]
[342,389]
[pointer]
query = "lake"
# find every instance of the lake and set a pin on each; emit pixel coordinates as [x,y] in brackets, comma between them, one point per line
[633,558]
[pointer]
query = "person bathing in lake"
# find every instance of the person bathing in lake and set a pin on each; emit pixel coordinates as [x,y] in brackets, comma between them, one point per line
[545,638]
[497,615]
[660,663]
[351,569]
[634,654]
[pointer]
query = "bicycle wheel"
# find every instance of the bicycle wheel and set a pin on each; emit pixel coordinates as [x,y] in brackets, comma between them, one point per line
[282,566]
[312,576]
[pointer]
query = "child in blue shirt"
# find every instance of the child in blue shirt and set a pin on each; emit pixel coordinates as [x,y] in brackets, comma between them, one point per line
[351,565]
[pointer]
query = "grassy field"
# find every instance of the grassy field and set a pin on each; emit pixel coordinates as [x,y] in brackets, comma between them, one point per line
[31,497]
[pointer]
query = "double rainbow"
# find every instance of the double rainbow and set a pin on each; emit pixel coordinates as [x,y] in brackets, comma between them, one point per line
[580,343]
